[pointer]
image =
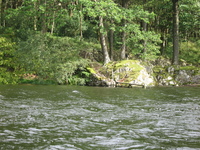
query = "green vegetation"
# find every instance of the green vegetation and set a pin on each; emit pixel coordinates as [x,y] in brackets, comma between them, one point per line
[91,70]
[126,70]
[9,73]
[54,58]
[134,64]
[59,41]
[190,51]
[133,71]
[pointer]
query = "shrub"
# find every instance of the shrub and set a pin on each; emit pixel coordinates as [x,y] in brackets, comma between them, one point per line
[53,58]
[190,51]
[8,67]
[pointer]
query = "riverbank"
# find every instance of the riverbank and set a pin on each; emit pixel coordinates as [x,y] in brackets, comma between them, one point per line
[128,73]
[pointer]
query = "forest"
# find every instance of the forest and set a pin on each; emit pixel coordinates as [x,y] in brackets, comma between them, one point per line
[54,41]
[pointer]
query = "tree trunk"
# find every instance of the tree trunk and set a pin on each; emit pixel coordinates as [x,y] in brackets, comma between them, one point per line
[35,16]
[44,21]
[1,11]
[81,21]
[111,41]
[103,42]
[175,59]
[144,28]
[123,48]
[3,8]
[164,42]
[53,22]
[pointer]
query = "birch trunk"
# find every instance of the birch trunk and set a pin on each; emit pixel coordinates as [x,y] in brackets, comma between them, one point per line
[103,42]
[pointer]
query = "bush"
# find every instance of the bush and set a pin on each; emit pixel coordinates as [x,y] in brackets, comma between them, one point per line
[190,51]
[8,67]
[53,58]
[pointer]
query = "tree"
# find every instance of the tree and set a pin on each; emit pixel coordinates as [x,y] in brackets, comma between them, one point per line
[122,27]
[103,41]
[189,20]
[2,13]
[144,29]
[124,4]
[143,43]
[102,11]
[111,41]
[175,32]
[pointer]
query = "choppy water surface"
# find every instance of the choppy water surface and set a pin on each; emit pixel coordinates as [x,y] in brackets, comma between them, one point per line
[94,118]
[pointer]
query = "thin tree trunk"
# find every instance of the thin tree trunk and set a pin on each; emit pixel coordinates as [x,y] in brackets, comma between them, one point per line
[162,46]
[144,42]
[10,4]
[81,21]
[123,48]
[103,42]
[53,22]
[1,11]
[16,4]
[3,8]
[111,43]
[175,60]
[81,30]
[144,29]
[164,42]
[44,21]
[111,40]
[35,16]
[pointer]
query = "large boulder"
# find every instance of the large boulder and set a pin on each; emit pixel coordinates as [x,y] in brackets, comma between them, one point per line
[122,73]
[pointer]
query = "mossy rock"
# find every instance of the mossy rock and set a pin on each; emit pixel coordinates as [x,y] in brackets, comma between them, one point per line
[133,64]
[189,68]
[128,70]
[159,69]
[91,70]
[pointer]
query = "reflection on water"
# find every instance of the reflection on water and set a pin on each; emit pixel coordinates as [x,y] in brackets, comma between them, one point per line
[90,118]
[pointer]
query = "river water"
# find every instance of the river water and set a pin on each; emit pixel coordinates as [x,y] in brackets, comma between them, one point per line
[39,117]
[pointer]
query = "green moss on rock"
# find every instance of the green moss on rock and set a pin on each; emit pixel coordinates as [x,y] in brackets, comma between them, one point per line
[91,70]
[189,68]
[133,64]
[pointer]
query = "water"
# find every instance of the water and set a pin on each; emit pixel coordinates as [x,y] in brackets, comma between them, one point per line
[96,118]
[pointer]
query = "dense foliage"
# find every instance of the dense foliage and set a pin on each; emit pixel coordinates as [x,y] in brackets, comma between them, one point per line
[8,67]
[53,58]
[55,40]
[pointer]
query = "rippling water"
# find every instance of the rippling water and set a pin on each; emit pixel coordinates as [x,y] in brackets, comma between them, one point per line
[96,118]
